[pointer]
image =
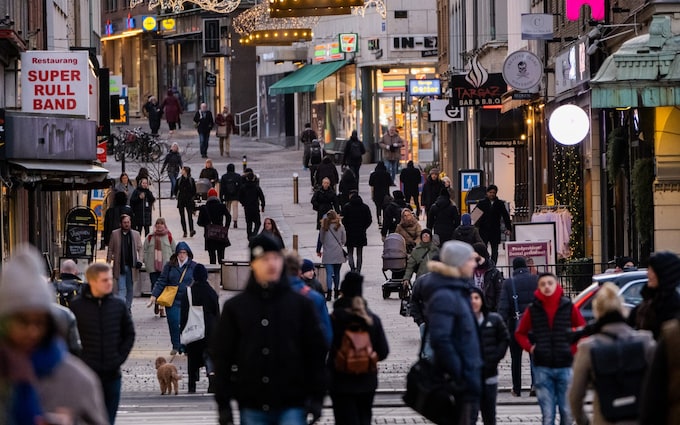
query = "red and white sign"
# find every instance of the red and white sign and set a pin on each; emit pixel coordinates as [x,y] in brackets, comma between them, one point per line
[55,82]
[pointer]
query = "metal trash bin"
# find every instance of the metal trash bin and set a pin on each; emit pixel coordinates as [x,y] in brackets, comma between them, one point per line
[234,275]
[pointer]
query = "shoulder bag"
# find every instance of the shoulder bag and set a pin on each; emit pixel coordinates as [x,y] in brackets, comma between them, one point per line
[217,232]
[344,251]
[167,297]
[194,330]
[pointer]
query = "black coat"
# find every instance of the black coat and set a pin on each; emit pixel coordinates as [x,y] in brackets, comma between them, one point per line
[341,319]
[380,180]
[492,284]
[214,212]
[658,305]
[172,163]
[469,234]
[154,113]
[112,220]
[269,349]
[185,190]
[431,191]
[490,222]
[106,331]
[348,182]
[210,174]
[443,218]
[205,124]
[327,169]
[392,215]
[494,337]
[142,207]
[323,201]
[250,195]
[525,285]
[356,217]
[228,180]
[202,294]
[347,158]
[410,177]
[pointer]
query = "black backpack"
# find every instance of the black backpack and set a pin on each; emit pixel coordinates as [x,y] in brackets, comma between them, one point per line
[307,136]
[619,369]
[230,186]
[315,153]
[66,291]
[355,150]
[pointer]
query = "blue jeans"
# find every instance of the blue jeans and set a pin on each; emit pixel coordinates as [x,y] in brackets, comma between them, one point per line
[392,167]
[173,183]
[111,389]
[125,285]
[290,416]
[333,276]
[172,315]
[551,391]
[203,143]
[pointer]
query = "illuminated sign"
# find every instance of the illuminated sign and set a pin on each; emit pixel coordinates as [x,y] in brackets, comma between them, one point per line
[149,23]
[328,52]
[168,24]
[424,87]
[130,22]
[349,43]
[108,28]
[393,83]
[574,9]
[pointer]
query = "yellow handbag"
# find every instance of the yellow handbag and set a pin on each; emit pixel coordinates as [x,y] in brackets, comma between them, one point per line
[167,297]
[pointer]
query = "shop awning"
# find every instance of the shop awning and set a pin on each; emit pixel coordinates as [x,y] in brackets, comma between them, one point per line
[305,79]
[66,171]
[644,72]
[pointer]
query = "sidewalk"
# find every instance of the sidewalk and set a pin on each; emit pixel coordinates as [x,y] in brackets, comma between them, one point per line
[275,166]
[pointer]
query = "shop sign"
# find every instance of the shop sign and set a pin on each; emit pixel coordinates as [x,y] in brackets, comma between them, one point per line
[349,43]
[373,44]
[431,87]
[81,233]
[468,180]
[149,23]
[539,251]
[574,9]
[115,85]
[393,83]
[429,53]
[328,52]
[441,110]
[571,68]
[101,152]
[477,87]
[413,42]
[523,70]
[123,111]
[537,26]
[511,143]
[169,24]
[130,22]
[210,79]
[550,199]
[55,82]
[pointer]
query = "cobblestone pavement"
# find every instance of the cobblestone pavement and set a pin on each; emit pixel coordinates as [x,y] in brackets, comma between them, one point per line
[275,166]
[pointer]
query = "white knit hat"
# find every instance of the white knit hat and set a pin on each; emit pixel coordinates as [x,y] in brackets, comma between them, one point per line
[22,285]
[455,253]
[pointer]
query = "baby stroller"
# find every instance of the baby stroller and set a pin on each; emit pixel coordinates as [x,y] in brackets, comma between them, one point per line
[394,258]
[202,188]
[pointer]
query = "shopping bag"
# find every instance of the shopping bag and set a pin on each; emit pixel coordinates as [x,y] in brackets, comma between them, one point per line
[195,327]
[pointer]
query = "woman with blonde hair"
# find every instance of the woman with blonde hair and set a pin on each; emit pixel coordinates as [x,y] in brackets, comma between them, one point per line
[158,247]
[330,247]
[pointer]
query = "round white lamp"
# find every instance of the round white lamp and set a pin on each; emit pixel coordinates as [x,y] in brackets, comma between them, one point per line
[569,124]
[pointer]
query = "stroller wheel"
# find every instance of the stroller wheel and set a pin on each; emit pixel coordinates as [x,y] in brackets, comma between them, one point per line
[386,293]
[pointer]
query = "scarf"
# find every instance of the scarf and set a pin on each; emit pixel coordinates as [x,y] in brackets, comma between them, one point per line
[550,303]
[157,249]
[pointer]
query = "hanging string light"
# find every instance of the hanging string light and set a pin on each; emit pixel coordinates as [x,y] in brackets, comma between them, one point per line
[256,27]
[219,6]
[299,8]
[379,5]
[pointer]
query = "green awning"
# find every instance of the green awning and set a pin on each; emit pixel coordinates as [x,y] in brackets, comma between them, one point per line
[305,79]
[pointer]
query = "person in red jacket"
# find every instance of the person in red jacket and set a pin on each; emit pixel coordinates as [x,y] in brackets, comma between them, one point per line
[550,318]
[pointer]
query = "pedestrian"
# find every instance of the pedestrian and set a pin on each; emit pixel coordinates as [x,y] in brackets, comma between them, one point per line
[610,327]
[327,170]
[293,264]
[380,182]
[284,352]
[173,164]
[324,200]
[417,312]
[448,185]
[410,179]
[204,296]
[550,318]
[356,217]
[353,154]
[466,232]
[487,277]
[432,188]
[178,271]
[353,391]
[330,248]
[214,212]
[490,222]
[494,337]
[143,173]
[209,172]
[158,247]
[425,251]
[270,229]
[391,144]
[316,155]
[142,201]
[124,185]
[348,183]
[660,300]
[250,195]
[451,324]
[172,110]
[106,331]
[152,110]
[409,228]
[517,292]
[125,253]
[625,264]
[443,217]
[68,285]
[113,214]
[40,380]
[225,127]
[185,192]
[392,212]
[307,137]
[204,123]
[308,276]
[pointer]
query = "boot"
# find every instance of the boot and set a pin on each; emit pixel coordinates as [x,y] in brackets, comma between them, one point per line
[336,294]
[235,224]
[192,386]
[328,295]
[211,383]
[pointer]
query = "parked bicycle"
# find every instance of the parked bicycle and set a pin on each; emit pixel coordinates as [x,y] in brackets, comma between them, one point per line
[136,144]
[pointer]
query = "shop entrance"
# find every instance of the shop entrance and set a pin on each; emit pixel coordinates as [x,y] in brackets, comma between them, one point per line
[411,120]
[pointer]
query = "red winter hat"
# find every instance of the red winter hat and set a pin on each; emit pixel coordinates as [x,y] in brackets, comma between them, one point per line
[212,192]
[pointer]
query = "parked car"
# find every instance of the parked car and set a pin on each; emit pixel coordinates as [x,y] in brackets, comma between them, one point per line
[630,282]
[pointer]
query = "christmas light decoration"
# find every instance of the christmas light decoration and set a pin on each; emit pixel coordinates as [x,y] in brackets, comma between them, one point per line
[256,27]
[219,6]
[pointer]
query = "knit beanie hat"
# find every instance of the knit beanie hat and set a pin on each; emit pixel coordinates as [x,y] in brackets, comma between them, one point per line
[22,285]
[212,192]
[480,249]
[466,219]
[666,265]
[398,194]
[307,265]
[428,231]
[519,263]
[200,273]
[455,253]
[351,286]
[262,244]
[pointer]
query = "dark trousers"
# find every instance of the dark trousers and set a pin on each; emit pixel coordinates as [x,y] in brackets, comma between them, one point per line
[312,174]
[355,170]
[203,139]
[352,409]
[487,405]
[355,265]
[143,229]
[378,211]
[111,388]
[305,154]
[252,223]
[216,255]
[415,197]
[182,210]
[494,246]
[516,366]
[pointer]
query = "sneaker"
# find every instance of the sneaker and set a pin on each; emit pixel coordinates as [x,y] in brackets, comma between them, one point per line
[514,394]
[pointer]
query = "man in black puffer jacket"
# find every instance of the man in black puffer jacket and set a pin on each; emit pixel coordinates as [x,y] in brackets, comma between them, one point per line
[252,198]
[494,338]
[443,217]
[106,331]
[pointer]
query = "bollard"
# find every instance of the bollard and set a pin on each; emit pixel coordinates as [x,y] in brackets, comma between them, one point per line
[245,163]
[295,188]
[295,243]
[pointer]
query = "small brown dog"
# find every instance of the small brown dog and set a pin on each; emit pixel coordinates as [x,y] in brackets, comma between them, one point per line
[167,376]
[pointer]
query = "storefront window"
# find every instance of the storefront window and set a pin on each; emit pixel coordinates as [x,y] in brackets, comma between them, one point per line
[335,105]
